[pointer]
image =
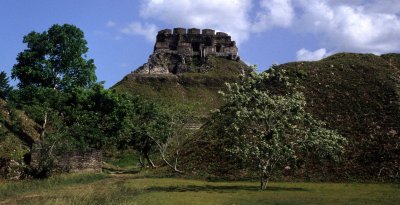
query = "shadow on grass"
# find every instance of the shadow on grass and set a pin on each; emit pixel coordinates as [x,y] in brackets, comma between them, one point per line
[216,188]
[131,171]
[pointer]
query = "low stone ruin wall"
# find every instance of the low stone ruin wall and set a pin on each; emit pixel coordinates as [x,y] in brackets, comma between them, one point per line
[80,161]
[72,162]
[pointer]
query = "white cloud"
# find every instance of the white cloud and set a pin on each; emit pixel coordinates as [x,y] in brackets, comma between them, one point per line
[354,26]
[110,24]
[306,55]
[278,13]
[147,30]
[230,16]
[339,25]
[386,6]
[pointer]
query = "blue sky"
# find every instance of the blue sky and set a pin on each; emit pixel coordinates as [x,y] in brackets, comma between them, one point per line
[121,33]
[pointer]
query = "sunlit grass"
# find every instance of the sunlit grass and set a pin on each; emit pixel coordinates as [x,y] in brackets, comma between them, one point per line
[135,189]
[128,160]
[12,188]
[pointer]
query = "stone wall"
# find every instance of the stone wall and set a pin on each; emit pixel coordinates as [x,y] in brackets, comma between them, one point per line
[192,42]
[90,161]
[72,162]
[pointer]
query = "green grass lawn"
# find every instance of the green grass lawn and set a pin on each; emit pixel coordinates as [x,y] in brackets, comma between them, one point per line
[137,189]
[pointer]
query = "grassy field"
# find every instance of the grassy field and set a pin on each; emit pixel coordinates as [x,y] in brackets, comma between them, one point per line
[137,189]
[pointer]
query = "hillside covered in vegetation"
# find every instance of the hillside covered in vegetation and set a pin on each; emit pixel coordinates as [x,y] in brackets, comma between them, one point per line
[196,90]
[17,135]
[357,95]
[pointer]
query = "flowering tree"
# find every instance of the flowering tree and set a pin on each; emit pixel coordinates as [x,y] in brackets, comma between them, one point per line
[270,130]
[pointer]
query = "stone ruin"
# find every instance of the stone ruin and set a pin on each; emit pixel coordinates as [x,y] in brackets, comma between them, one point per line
[72,162]
[180,50]
[194,43]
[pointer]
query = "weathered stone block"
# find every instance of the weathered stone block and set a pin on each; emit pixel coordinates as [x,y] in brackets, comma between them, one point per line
[165,32]
[179,31]
[194,31]
[89,161]
[222,34]
[162,45]
[208,32]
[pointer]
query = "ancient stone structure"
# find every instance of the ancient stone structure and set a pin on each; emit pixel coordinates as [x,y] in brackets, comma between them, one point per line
[71,162]
[180,50]
[10,169]
[194,43]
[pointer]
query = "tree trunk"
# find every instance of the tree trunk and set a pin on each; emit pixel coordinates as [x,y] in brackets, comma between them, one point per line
[264,182]
[43,128]
[264,178]
[261,180]
[175,166]
[162,152]
[141,160]
[149,160]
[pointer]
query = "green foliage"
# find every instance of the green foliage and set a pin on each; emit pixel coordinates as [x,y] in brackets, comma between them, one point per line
[270,131]
[145,125]
[11,147]
[58,92]
[5,88]
[43,105]
[81,118]
[55,59]
[50,71]
[87,118]
[90,116]
[121,159]
[16,122]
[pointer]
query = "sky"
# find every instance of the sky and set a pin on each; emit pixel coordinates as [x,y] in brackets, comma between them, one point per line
[121,33]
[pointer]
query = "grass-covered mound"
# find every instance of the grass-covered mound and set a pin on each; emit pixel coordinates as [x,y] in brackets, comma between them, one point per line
[196,91]
[17,123]
[356,94]
[17,134]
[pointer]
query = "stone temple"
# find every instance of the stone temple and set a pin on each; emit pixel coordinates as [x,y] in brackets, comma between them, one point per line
[180,50]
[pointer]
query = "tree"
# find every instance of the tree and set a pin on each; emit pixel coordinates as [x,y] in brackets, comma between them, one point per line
[44,106]
[145,127]
[5,88]
[96,117]
[49,70]
[270,130]
[81,119]
[174,136]
[55,59]
[149,128]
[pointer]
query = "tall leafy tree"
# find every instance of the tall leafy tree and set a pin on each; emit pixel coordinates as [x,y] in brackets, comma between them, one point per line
[55,59]
[267,130]
[5,87]
[49,69]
